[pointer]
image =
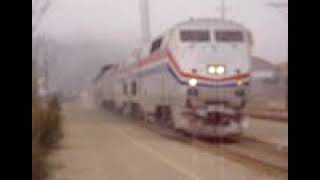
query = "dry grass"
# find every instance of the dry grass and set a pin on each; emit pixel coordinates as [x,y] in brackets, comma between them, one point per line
[267,109]
[264,104]
[46,133]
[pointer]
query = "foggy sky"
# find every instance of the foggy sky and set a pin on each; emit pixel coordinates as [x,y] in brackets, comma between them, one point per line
[119,20]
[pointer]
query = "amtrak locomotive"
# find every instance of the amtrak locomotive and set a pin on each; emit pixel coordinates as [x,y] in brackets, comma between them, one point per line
[194,78]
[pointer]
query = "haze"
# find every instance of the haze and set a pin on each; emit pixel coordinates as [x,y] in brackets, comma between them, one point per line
[118,20]
[111,28]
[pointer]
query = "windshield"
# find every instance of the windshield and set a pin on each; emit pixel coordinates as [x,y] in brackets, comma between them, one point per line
[229,36]
[195,36]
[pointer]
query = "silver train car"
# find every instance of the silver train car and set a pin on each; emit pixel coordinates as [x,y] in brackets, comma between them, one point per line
[194,78]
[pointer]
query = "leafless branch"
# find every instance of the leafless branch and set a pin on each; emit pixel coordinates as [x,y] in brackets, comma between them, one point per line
[39,8]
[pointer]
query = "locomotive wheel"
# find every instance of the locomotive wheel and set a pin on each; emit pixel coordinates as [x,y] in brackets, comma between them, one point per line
[149,118]
[234,138]
[125,109]
[137,112]
[117,110]
[158,114]
[167,118]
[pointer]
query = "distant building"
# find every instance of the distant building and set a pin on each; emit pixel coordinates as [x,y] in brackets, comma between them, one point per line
[262,69]
[266,82]
[282,72]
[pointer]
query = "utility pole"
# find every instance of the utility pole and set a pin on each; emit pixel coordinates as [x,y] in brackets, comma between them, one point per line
[223,9]
[46,74]
[145,20]
[279,6]
[282,7]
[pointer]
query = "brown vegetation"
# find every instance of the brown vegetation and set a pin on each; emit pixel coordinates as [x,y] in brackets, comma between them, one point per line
[46,133]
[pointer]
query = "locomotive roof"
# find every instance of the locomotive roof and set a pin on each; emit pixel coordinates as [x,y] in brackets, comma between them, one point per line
[208,22]
[198,22]
[203,23]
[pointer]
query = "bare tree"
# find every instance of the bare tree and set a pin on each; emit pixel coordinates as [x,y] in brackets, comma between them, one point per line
[39,8]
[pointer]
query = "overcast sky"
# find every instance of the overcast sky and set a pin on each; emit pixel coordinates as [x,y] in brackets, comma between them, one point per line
[119,20]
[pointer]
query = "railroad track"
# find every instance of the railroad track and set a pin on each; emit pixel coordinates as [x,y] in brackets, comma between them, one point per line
[247,151]
[268,115]
[251,155]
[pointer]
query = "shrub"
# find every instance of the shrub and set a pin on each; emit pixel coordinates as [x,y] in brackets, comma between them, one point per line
[46,133]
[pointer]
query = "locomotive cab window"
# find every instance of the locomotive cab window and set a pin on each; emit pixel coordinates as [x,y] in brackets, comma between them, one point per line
[229,36]
[195,36]
[156,45]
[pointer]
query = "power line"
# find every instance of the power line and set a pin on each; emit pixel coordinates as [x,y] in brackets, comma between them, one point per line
[278,5]
[283,7]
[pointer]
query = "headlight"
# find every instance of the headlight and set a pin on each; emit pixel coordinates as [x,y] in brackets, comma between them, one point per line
[211,69]
[240,83]
[220,70]
[216,69]
[193,82]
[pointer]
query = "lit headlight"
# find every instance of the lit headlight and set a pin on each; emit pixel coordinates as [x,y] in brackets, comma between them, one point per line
[220,70]
[211,70]
[193,82]
[216,69]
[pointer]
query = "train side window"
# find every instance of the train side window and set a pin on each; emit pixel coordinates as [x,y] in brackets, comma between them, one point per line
[156,45]
[125,89]
[134,88]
